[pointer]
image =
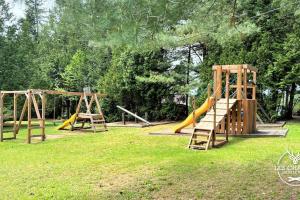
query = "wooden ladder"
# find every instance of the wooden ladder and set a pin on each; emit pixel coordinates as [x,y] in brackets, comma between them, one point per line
[98,122]
[204,135]
[201,139]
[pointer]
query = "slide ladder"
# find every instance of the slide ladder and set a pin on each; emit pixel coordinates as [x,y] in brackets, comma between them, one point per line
[204,133]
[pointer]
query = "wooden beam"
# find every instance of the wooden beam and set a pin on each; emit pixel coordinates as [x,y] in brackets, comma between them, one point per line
[15,115]
[254,86]
[239,119]
[22,115]
[219,83]
[72,93]
[234,68]
[79,104]
[227,104]
[29,117]
[36,108]
[86,104]
[91,103]
[43,116]
[239,83]
[245,85]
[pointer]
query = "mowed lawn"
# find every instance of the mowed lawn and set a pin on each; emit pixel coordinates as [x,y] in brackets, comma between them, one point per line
[127,163]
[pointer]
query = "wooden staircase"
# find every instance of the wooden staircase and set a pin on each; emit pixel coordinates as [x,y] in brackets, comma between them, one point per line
[204,135]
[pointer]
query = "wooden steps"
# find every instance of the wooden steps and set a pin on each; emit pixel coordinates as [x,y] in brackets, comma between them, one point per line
[204,135]
[200,139]
[95,120]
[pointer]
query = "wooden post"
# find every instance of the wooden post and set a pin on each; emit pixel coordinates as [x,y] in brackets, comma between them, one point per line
[22,114]
[100,110]
[36,108]
[227,104]
[239,83]
[239,98]
[43,116]
[79,104]
[233,123]
[29,97]
[254,97]
[219,82]
[123,118]
[54,116]
[214,121]
[245,84]
[254,86]
[1,116]
[15,115]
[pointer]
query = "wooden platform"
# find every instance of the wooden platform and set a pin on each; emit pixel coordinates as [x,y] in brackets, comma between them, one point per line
[266,133]
[271,125]
[137,125]
[259,133]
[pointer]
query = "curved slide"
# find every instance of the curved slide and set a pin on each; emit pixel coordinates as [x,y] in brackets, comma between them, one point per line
[198,112]
[68,122]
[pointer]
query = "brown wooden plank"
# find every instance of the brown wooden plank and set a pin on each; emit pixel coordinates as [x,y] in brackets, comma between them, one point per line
[227,103]
[245,116]
[239,121]
[254,86]
[29,117]
[22,114]
[43,116]
[245,84]
[219,83]
[15,115]
[239,83]
[233,123]
[210,118]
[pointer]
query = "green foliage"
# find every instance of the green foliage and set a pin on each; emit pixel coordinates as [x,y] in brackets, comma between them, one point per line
[123,48]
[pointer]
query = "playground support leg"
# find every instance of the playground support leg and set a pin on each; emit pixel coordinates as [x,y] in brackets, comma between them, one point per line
[29,94]
[15,115]
[43,116]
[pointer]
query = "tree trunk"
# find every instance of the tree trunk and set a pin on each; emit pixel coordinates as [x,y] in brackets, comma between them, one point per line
[289,109]
[188,80]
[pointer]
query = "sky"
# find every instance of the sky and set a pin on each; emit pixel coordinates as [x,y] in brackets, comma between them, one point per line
[18,7]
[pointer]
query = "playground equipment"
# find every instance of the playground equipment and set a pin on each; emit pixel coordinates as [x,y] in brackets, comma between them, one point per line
[94,119]
[196,114]
[30,99]
[232,114]
[132,114]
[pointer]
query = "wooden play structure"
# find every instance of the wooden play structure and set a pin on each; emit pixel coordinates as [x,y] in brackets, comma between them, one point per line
[37,99]
[136,117]
[231,114]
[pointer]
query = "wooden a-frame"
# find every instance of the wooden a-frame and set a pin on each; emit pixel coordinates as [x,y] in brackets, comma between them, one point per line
[32,98]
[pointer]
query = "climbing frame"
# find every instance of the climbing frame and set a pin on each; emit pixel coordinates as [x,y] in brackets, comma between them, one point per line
[231,114]
[35,100]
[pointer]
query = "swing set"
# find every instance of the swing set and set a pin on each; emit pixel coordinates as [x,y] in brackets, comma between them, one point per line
[36,98]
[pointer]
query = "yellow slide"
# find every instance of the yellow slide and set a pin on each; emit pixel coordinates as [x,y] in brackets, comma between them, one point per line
[68,122]
[189,120]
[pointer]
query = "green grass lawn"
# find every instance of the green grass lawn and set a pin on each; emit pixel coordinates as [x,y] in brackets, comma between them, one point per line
[127,163]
